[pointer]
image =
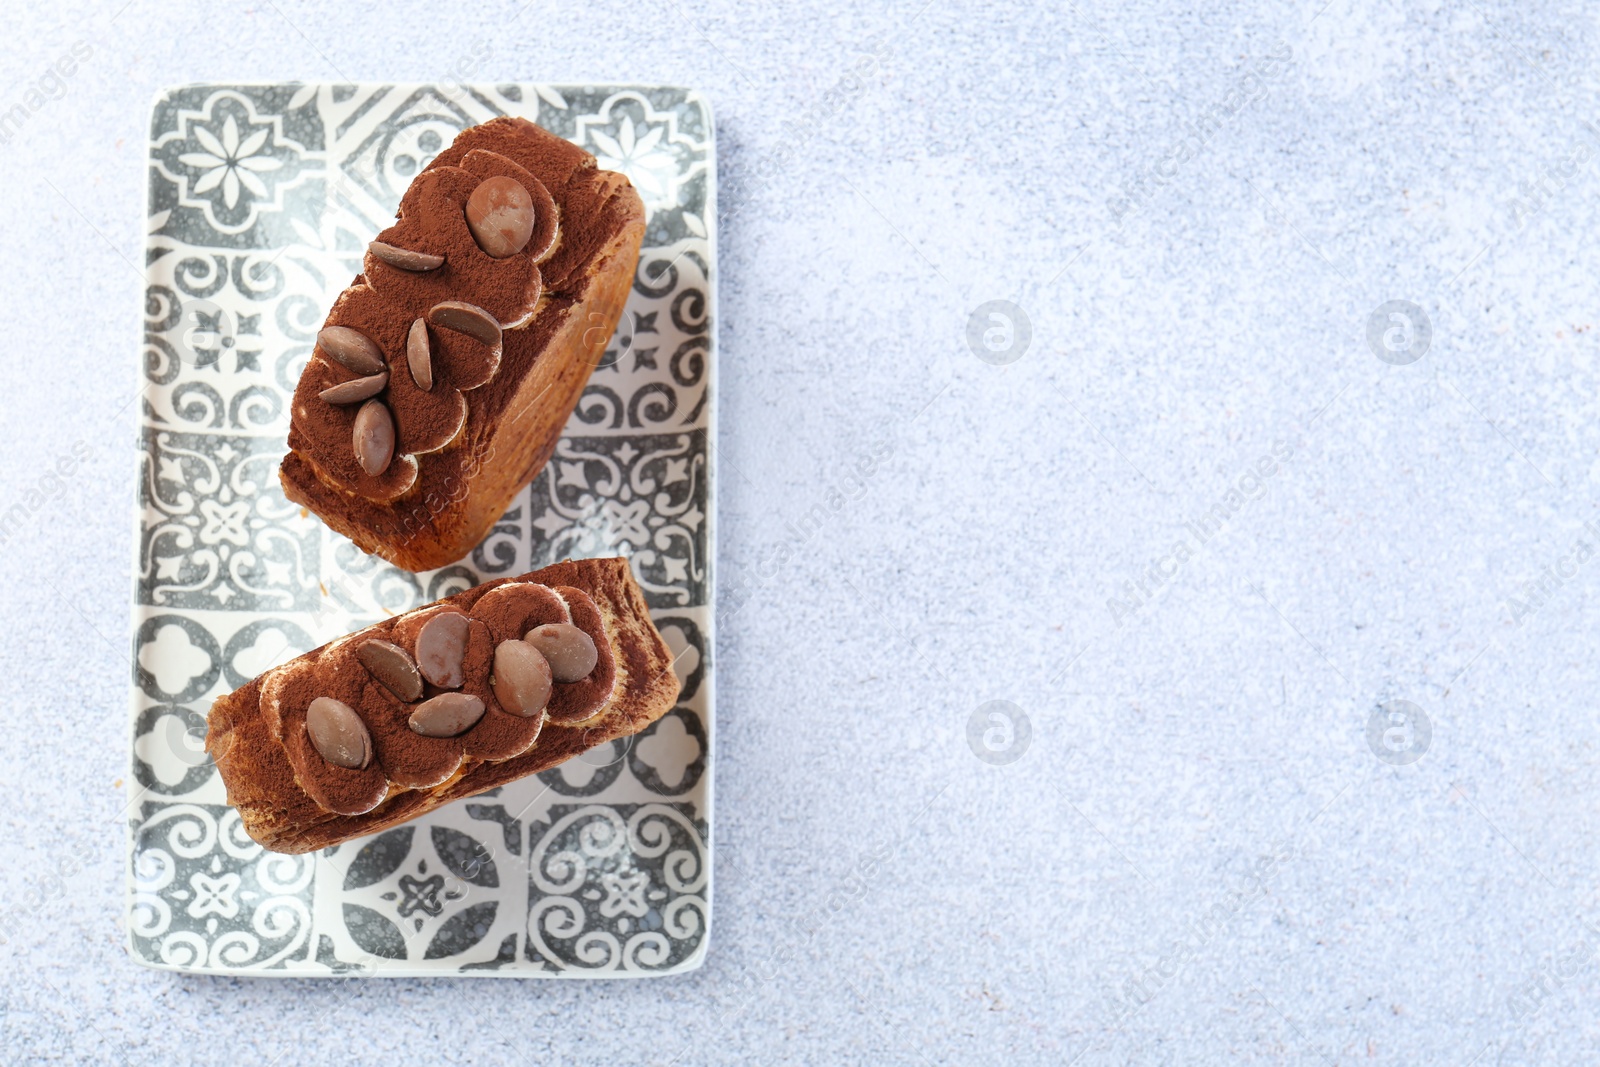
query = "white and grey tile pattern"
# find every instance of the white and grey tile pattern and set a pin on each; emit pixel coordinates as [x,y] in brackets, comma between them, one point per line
[262,198]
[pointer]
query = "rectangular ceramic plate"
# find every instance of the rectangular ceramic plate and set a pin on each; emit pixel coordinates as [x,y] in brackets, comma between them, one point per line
[262,200]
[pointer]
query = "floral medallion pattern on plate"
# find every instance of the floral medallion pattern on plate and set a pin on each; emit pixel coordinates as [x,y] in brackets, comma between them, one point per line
[616,888]
[262,200]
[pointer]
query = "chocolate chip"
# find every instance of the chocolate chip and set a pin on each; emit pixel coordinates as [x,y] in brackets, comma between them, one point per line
[521,678]
[544,230]
[374,437]
[571,652]
[338,734]
[446,715]
[441,644]
[419,355]
[356,389]
[500,216]
[351,348]
[404,258]
[393,666]
[469,319]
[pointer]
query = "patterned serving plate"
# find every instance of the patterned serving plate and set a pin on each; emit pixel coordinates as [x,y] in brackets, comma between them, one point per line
[262,199]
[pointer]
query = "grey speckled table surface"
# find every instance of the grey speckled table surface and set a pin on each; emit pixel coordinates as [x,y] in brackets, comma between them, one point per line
[1263,501]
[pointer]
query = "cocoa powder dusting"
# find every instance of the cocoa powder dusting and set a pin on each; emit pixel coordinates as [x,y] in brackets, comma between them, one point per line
[402,757]
[441,432]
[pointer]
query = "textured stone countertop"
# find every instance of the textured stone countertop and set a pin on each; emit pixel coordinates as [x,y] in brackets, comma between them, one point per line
[1241,498]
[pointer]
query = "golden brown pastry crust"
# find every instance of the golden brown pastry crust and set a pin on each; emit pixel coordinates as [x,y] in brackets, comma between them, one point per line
[278,812]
